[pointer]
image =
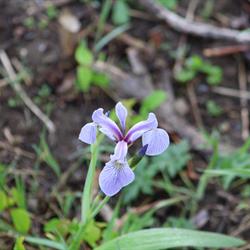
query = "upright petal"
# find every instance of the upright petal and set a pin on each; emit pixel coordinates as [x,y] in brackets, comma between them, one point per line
[157,141]
[112,178]
[121,150]
[141,127]
[121,113]
[108,127]
[88,133]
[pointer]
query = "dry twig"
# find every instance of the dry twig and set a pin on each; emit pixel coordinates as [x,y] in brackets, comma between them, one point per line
[3,83]
[18,151]
[22,94]
[243,101]
[226,50]
[192,27]
[194,104]
[183,40]
[231,92]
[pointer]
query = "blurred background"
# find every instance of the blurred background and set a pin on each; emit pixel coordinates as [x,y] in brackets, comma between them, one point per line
[187,61]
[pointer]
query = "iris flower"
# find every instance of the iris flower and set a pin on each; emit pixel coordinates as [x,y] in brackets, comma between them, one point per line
[116,173]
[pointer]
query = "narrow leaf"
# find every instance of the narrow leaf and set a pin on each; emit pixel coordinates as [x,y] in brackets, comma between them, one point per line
[45,242]
[156,239]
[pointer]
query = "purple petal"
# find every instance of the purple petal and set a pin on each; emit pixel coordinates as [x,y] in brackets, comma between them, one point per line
[157,141]
[141,127]
[88,133]
[121,113]
[108,127]
[112,178]
[121,150]
[108,133]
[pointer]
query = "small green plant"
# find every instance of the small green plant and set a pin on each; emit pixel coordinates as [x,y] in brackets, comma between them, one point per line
[29,22]
[14,102]
[13,202]
[227,167]
[44,155]
[52,12]
[213,109]
[169,163]
[232,166]
[195,65]
[43,23]
[85,75]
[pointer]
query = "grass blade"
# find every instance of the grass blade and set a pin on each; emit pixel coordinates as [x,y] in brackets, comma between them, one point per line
[44,242]
[110,36]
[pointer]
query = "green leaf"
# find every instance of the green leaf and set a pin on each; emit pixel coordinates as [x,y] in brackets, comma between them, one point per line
[83,55]
[52,12]
[21,220]
[213,109]
[153,101]
[110,36]
[156,239]
[18,193]
[92,233]
[84,77]
[19,244]
[244,173]
[3,174]
[136,222]
[100,79]
[194,62]
[3,201]
[45,242]
[215,76]
[185,75]
[120,13]
[56,225]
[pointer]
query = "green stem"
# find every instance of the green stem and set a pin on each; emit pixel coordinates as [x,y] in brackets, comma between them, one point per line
[86,194]
[100,206]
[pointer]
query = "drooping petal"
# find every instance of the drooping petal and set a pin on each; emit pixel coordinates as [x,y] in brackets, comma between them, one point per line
[141,127]
[108,127]
[112,178]
[121,113]
[88,133]
[157,141]
[121,150]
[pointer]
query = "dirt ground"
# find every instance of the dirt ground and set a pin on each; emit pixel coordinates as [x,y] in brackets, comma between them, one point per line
[46,56]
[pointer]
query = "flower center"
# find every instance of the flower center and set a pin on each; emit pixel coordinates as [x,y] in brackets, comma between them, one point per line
[118,165]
